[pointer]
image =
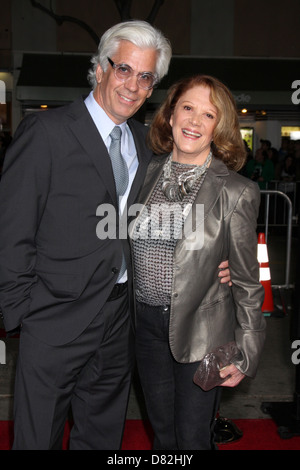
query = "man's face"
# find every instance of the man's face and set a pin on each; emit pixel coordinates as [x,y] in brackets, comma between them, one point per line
[121,100]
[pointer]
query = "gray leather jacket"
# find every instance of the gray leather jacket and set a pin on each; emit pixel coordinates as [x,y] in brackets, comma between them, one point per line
[205,313]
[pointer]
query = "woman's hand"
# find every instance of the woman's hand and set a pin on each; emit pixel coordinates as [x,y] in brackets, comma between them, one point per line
[236,376]
[224,273]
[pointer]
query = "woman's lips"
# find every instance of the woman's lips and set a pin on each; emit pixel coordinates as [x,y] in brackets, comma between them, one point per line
[191,134]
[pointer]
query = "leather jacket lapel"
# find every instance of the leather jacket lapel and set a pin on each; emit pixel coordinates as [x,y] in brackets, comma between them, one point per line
[154,171]
[207,197]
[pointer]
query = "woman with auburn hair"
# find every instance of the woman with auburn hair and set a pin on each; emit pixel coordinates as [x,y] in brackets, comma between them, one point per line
[227,143]
[197,211]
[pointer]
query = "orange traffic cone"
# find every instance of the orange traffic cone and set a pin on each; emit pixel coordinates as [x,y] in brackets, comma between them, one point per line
[265,274]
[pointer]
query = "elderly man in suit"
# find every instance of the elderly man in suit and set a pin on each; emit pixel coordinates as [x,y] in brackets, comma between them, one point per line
[59,280]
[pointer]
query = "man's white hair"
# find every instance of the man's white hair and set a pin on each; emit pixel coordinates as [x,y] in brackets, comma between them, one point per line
[139,33]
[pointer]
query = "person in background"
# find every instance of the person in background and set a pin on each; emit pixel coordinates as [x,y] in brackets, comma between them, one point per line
[287,184]
[5,139]
[260,168]
[182,310]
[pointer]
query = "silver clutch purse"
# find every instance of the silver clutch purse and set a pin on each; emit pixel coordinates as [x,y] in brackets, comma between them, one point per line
[207,375]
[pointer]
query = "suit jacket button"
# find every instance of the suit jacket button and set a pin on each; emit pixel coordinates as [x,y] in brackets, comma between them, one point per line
[115,270]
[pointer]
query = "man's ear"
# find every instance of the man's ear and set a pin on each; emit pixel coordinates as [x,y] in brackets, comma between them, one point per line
[149,93]
[99,73]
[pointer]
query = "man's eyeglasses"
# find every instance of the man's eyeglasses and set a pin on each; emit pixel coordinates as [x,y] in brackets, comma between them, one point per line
[124,72]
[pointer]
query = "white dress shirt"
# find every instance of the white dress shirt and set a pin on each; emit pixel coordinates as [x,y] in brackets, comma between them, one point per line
[105,125]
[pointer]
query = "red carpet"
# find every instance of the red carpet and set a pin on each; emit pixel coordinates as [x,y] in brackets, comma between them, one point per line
[258,434]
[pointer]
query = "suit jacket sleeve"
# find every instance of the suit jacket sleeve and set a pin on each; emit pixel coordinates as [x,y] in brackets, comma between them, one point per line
[23,194]
[247,291]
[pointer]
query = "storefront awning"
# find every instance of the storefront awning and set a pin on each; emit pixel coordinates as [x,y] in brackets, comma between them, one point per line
[53,78]
[253,81]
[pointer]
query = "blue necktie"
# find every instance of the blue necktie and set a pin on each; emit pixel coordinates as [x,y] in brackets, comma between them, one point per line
[121,174]
[118,163]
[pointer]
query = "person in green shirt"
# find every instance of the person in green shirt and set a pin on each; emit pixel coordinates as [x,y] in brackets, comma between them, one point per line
[260,168]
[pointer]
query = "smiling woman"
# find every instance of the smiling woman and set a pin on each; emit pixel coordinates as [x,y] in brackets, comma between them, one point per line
[193,122]
[183,311]
[226,142]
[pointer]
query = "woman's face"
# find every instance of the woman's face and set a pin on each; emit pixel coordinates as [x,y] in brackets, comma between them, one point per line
[193,122]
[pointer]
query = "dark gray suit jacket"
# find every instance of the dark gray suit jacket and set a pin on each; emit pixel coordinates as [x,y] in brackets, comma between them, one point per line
[55,273]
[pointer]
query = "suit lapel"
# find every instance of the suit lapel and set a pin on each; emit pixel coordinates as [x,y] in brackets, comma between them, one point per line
[144,155]
[155,169]
[85,131]
[208,195]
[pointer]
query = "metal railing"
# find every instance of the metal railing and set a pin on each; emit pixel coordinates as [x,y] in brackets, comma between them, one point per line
[288,202]
[292,190]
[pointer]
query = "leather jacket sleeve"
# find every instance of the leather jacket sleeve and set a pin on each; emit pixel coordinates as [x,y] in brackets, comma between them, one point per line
[247,292]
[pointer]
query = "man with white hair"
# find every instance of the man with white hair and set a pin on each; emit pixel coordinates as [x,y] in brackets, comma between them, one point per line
[60,281]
